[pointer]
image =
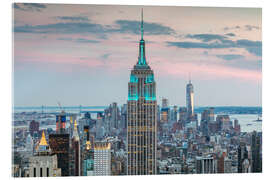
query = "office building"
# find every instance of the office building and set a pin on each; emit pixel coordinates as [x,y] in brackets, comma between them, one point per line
[43,163]
[205,165]
[75,160]
[165,115]
[227,165]
[242,154]
[183,115]
[59,144]
[173,115]
[224,122]
[207,117]
[124,116]
[33,127]
[237,127]
[190,99]
[100,130]
[256,152]
[142,116]
[88,154]
[29,143]
[61,122]
[220,162]
[165,103]
[102,159]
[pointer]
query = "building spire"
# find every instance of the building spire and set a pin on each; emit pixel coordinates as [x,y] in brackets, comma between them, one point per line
[75,131]
[141,58]
[43,141]
[75,125]
[142,24]
[42,147]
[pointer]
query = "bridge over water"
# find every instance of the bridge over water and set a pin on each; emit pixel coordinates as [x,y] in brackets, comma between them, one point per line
[57,109]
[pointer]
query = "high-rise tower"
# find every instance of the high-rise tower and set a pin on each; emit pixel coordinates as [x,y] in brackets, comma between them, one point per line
[141,116]
[61,122]
[75,152]
[102,159]
[190,99]
[256,156]
[88,153]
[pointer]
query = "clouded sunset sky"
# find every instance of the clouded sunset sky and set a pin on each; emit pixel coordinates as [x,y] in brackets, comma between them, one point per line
[83,54]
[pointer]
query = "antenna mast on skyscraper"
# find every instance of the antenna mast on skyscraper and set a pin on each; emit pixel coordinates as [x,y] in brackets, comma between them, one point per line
[142,24]
[189,78]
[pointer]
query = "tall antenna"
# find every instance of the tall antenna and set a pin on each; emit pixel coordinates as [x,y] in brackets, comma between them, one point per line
[142,24]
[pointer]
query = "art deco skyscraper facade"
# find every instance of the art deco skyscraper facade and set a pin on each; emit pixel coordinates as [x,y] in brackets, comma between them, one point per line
[44,163]
[141,116]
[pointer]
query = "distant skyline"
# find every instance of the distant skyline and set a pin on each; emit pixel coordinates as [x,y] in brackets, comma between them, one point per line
[82,54]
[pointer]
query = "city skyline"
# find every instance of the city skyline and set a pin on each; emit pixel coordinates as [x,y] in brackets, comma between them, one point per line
[134,135]
[88,52]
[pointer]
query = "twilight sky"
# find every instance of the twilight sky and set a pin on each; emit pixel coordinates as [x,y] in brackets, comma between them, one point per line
[83,54]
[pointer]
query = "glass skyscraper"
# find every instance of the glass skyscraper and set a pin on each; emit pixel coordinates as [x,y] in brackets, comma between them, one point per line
[141,116]
[190,99]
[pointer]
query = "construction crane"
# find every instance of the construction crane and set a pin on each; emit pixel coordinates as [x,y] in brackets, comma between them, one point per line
[61,119]
[61,108]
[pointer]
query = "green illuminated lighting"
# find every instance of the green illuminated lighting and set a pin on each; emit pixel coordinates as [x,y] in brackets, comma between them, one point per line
[149,94]
[149,90]
[133,78]
[149,79]
[133,98]
[133,92]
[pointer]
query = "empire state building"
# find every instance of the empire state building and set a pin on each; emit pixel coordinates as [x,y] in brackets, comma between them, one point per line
[141,116]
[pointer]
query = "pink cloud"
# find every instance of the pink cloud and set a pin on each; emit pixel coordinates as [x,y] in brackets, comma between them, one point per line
[206,71]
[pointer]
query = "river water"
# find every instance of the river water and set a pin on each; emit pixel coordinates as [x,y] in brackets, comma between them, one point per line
[247,122]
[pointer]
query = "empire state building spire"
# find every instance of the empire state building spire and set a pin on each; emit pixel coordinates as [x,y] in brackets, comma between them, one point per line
[141,58]
[142,25]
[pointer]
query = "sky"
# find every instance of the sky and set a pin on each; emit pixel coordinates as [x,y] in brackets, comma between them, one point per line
[83,54]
